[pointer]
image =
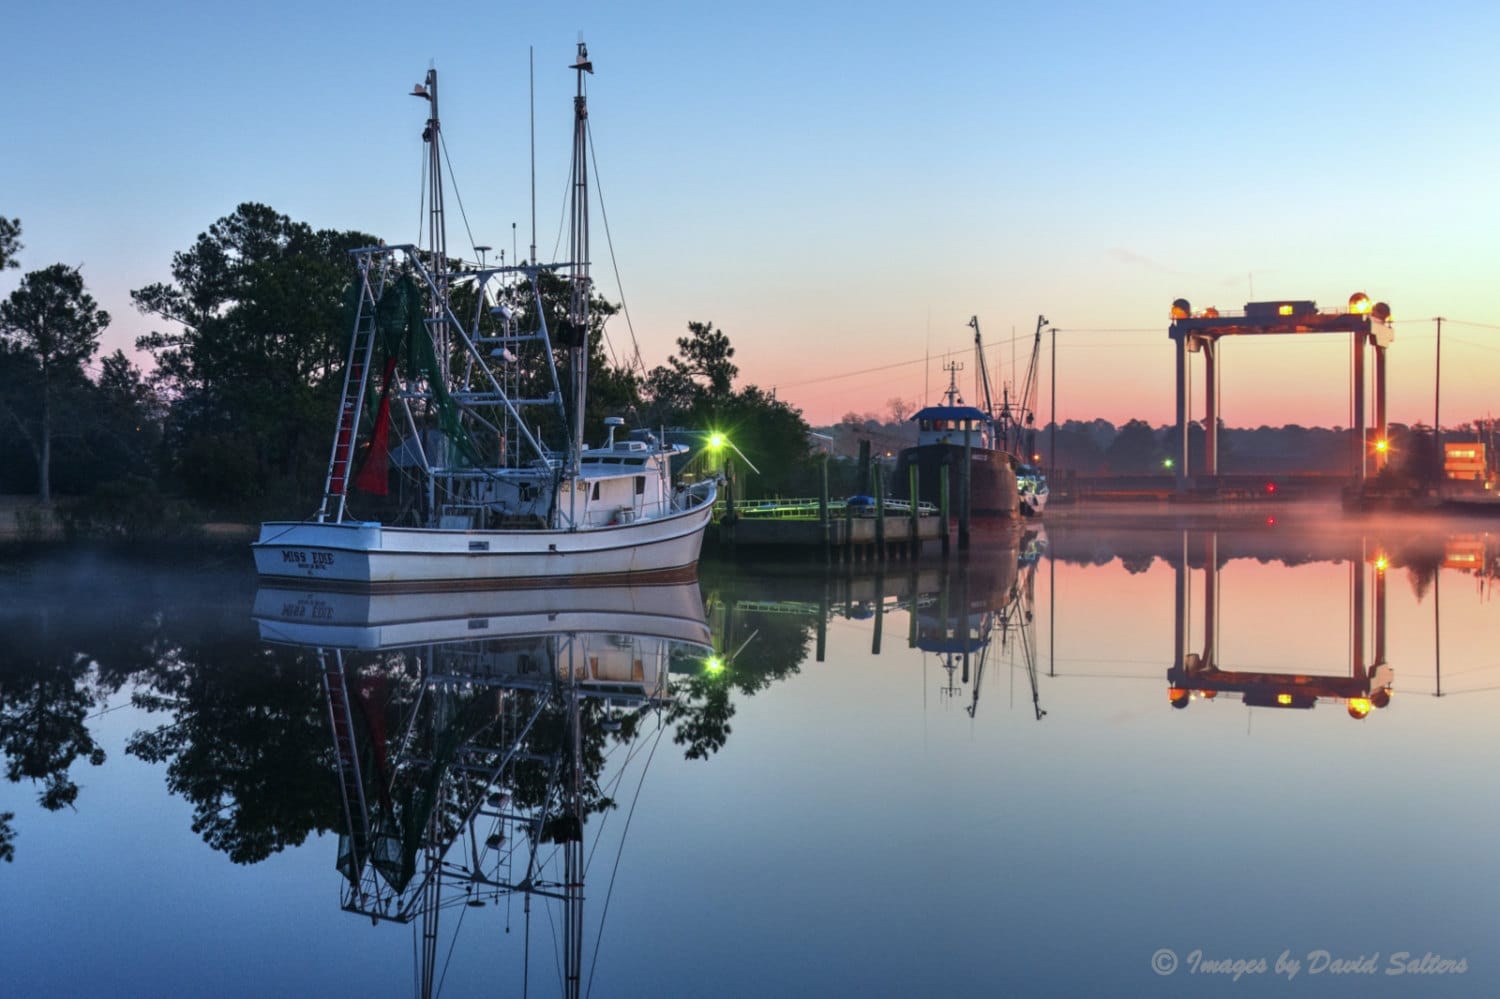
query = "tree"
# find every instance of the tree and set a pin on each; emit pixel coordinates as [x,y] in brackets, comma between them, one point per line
[695,389]
[259,326]
[701,370]
[899,408]
[10,242]
[53,323]
[127,426]
[1134,449]
[706,355]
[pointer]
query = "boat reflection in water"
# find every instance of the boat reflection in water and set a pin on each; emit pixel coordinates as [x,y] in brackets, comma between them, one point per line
[971,615]
[473,734]
[1364,686]
[984,611]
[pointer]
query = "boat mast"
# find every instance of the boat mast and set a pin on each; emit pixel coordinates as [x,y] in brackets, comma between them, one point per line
[984,371]
[1029,396]
[437,237]
[578,260]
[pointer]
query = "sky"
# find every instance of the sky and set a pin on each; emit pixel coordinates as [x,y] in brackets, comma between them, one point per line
[838,187]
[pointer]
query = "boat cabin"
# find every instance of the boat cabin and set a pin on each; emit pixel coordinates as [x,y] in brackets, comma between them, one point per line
[950,424]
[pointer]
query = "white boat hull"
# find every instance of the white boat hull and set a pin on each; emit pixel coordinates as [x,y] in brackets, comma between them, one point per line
[364,554]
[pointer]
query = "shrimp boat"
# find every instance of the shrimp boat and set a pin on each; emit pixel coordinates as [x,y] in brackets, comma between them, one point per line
[474,472]
[987,453]
[958,443]
[986,456]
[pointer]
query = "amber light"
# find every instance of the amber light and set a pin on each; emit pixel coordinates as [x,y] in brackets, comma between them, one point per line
[1359,707]
[1283,699]
[1181,309]
[1359,303]
[1284,310]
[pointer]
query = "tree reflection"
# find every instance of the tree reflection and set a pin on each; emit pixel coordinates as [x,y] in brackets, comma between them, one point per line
[753,651]
[47,692]
[246,743]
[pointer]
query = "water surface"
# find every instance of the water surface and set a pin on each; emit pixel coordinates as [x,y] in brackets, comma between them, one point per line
[1060,765]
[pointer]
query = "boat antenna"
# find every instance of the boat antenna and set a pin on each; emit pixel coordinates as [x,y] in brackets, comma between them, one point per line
[531,58]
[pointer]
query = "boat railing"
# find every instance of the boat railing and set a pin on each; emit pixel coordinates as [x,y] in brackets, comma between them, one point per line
[803,508]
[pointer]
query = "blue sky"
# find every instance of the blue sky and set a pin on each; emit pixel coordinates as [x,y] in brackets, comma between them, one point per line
[837,186]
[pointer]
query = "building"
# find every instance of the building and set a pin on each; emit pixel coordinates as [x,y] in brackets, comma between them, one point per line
[1464,461]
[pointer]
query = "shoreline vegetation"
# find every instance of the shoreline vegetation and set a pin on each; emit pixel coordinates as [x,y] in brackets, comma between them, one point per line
[26,520]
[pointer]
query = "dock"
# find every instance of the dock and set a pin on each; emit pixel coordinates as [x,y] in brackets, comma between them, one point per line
[850,530]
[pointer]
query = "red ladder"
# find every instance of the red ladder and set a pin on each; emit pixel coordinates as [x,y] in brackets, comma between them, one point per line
[356,377]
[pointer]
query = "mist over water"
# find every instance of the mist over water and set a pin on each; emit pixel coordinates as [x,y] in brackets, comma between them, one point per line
[1130,751]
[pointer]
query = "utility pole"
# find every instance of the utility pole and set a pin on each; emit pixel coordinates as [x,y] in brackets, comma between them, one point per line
[1052,457]
[1437,389]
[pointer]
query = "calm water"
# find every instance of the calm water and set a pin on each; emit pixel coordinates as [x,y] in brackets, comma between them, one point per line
[1059,768]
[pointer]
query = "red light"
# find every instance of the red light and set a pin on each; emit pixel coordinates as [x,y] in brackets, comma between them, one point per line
[1270,487]
[1270,521]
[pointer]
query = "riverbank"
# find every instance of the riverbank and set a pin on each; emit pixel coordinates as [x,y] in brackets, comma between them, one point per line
[25,519]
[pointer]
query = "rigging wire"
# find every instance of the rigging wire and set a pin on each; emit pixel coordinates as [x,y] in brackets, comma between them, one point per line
[609,789]
[421,200]
[453,182]
[452,943]
[624,834]
[614,263]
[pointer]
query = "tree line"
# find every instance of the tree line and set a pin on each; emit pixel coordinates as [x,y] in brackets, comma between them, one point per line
[1101,448]
[235,416]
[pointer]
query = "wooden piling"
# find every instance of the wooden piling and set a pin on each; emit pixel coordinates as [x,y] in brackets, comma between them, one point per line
[965,481]
[943,507]
[823,515]
[915,520]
